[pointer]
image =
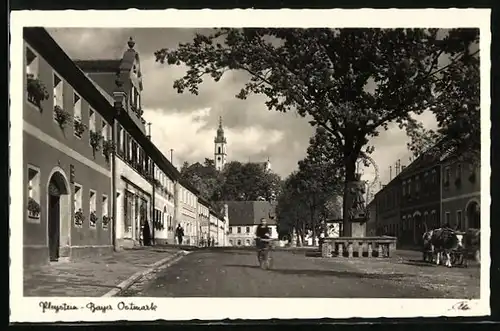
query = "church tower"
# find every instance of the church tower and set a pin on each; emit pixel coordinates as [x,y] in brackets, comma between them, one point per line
[220,152]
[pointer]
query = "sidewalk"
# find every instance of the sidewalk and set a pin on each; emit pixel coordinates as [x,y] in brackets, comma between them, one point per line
[91,277]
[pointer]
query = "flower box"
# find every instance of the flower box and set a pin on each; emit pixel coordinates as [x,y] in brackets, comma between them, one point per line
[79,217]
[61,116]
[36,90]
[95,140]
[34,208]
[105,221]
[108,147]
[79,127]
[93,219]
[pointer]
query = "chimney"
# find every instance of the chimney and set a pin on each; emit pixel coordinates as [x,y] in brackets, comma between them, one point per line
[172,156]
[403,167]
[390,173]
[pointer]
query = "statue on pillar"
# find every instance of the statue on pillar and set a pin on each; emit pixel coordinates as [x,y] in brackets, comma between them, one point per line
[356,207]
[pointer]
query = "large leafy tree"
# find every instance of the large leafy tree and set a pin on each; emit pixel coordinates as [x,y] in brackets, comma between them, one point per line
[238,181]
[457,103]
[249,181]
[350,82]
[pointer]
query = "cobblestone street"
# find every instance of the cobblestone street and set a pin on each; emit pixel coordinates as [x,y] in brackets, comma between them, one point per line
[235,273]
[91,277]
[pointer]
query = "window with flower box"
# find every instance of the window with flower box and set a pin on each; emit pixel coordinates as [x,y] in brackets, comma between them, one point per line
[33,203]
[92,209]
[104,212]
[79,218]
[78,125]
[35,89]
[58,91]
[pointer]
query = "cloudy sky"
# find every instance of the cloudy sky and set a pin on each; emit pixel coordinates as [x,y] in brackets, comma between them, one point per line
[187,123]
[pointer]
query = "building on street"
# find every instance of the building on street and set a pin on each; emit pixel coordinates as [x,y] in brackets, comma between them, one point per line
[187,211]
[461,193]
[387,207]
[245,216]
[371,225]
[164,207]
[68,180]
[204,221]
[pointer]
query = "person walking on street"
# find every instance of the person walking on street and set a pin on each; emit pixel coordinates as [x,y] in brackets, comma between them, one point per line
[179,232]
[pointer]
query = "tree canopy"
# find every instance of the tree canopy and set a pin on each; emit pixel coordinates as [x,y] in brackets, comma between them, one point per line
[350,82]
[237,181]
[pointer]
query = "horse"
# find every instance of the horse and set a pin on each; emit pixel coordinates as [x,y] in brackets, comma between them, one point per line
[428,247]
[441,242]
[446,240]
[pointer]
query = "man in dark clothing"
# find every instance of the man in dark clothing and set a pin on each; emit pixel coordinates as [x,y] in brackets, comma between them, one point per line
[179,232]
[262,232]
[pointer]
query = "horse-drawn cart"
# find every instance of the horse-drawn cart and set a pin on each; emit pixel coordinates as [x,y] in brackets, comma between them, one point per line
[451,246]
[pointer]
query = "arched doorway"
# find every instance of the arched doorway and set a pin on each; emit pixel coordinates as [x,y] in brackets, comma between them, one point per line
[57,215]
[473,215]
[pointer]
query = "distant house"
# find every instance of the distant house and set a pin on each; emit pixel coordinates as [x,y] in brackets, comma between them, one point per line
[245,216]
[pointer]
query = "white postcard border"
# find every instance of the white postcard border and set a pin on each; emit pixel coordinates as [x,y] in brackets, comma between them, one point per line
[28,309]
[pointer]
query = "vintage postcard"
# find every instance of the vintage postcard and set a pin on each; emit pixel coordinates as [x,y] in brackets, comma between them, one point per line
[249,164]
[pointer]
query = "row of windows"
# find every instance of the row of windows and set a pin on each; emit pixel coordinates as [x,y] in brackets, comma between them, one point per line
[203,211]
[60,108]
[239,242]
[247,229]
[413,187]
[34,206]
[164,181]
[162,220]
[187,197]
[79,218]
[428,181]
[133,153]
[447,173]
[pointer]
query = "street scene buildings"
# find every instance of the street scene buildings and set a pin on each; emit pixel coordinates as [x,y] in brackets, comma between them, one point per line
[104,197]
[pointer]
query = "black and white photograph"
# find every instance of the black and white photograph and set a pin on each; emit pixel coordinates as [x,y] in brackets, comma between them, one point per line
[249,162]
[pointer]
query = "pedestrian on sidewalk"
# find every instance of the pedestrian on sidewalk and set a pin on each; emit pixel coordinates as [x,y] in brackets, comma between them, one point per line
[146,234]
[179,232]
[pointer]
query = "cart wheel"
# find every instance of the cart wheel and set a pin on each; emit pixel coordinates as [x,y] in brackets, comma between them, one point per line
[459,259]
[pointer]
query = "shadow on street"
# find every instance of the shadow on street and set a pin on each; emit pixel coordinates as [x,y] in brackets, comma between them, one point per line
[325,273]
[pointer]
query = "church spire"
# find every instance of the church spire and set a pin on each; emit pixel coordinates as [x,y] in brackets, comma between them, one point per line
[220,133]
[220,147]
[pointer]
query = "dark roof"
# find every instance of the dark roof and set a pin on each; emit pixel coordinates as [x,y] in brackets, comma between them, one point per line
[98,65]
[45,45]
[188,185]
[216,214]
[203,201]
[250,212]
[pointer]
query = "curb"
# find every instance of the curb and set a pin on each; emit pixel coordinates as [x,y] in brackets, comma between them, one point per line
[140,274]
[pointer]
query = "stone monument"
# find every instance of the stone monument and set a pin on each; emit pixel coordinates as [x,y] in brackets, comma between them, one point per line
[356,209]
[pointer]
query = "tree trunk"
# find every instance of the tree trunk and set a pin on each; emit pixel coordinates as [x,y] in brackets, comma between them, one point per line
[313,225]
[350,175]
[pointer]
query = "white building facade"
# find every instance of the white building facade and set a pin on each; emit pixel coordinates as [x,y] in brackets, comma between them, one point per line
[164,211]
[187,213]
